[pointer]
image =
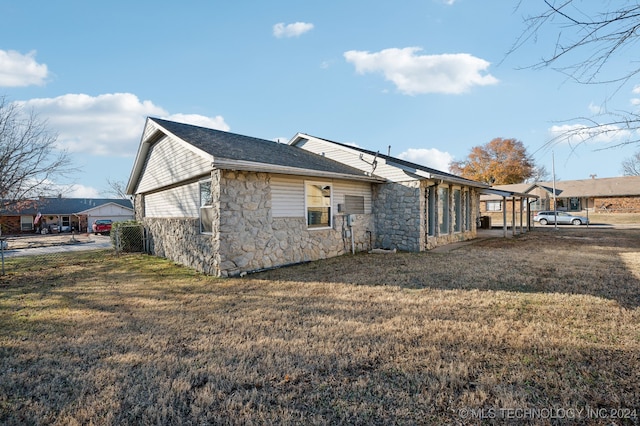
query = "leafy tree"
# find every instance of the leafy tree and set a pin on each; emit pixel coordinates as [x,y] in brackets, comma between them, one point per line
[631,165]
[500,162]
[29,158]
[591,40]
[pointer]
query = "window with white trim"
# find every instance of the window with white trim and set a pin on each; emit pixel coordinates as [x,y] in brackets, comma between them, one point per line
[318,196]
[206,207]
[26,223]
[494,206]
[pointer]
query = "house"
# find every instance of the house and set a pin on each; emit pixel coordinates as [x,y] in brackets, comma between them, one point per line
[62,214]
[611,195]
[417,208]
[227,204]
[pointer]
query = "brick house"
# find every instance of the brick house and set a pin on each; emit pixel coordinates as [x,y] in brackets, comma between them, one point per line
[60,214]
[610,195]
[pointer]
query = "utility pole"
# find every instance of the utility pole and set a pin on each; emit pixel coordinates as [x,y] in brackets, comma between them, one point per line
[555,204]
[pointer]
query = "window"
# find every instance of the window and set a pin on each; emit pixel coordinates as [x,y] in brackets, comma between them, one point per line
[467,210]
[318,204]
[206,207]
[354,204]
[494,206]
[26,223]
[443,210]
[431,210]
[574,204]
[457,210]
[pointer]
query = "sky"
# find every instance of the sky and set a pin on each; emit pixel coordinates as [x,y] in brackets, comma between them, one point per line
[426,80]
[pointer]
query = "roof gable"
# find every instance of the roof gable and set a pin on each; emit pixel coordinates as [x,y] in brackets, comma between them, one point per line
[233,151]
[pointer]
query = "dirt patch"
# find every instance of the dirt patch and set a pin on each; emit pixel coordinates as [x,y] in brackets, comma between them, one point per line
[48,240]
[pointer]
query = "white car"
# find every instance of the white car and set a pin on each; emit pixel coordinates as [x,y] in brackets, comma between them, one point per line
[564,218]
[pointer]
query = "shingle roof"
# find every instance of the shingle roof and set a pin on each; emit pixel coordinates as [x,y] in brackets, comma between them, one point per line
[603,187]
[236,147]
[63,206]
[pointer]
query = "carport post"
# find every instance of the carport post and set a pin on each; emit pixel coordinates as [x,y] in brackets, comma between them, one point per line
[504,216]
[513,216]
[521,213]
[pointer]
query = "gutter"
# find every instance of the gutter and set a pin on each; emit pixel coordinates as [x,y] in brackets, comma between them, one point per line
[226,164]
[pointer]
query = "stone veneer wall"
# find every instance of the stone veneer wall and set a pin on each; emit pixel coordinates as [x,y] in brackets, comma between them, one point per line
[246,237]
[398,220]
[251,239]
[401,219]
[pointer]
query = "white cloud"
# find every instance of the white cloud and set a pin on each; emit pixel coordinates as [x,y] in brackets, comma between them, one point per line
[574,134]
[433,158]
[417,74]
[82,191]
[216,122]
[596,109]
[281,30]
[106,125]
[18,70]
[635,91]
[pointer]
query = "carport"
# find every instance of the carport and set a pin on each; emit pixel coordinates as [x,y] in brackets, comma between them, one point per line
[520,198]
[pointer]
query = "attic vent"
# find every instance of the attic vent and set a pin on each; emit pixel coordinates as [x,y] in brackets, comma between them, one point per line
[354,204]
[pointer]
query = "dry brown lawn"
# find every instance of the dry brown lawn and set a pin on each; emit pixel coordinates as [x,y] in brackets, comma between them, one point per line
[540,329]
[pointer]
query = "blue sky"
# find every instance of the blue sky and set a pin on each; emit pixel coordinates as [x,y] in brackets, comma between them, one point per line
[427,77]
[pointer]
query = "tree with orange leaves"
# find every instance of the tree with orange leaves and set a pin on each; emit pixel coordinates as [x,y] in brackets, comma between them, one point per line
[499,162]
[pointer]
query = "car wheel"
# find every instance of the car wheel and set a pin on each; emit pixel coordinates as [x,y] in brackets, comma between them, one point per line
[576,222]
[543,221]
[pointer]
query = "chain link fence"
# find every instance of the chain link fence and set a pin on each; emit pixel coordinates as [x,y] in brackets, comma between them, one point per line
[38,251]
[128,238]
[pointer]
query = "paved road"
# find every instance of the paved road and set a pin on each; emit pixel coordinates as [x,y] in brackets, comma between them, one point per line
[97,242]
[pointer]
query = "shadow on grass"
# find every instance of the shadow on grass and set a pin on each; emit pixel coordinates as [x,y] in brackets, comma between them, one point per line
[601,263]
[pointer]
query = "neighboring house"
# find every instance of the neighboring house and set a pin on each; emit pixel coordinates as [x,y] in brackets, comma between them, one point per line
[62,214]
[227,204]
[614,195]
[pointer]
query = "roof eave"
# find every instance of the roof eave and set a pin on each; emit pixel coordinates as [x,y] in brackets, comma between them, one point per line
[227,164]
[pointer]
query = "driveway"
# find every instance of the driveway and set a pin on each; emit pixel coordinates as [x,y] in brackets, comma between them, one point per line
[38,245]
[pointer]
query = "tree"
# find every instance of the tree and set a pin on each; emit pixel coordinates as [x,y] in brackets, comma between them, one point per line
[29,158]
[587,45]
[540,173]
[117,189]
[631,165]
[500,162]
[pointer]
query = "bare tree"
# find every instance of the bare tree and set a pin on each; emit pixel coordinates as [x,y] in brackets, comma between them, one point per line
[540,174]
[117,189]
[631,165]
[29,159]
[586,47]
